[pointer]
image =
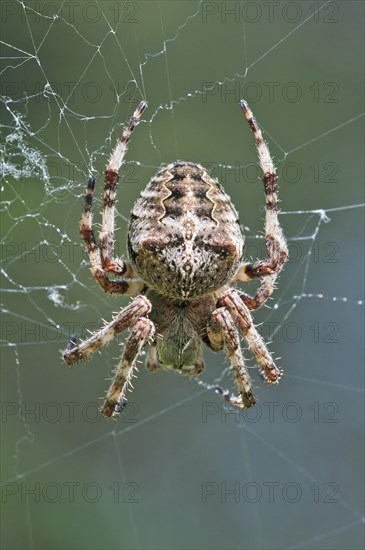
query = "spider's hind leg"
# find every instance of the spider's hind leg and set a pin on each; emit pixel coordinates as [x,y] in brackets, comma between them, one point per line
[110,263]
[101,256]
[277,252]
[120,286]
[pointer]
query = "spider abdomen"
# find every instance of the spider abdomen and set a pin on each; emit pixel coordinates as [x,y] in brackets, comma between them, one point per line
[184,235]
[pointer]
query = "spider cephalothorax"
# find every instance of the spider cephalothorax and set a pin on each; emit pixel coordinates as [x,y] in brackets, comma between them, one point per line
[185,247]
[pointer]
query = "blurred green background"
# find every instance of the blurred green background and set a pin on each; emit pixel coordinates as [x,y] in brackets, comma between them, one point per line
[179,470]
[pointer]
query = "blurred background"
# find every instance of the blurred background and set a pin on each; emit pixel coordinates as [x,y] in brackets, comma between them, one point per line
[180,470]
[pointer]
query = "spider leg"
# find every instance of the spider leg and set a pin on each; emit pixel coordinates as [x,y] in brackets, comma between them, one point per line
[223,319]
[127,317]
[152,362]
[106,237]
[141,333]
[101,257]
[241,314]
[277,252]
[263,292]
[121,286]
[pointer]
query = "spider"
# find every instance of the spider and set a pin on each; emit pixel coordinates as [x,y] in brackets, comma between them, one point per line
[185,246]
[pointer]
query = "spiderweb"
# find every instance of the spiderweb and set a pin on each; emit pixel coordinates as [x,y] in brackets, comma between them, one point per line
[287,473]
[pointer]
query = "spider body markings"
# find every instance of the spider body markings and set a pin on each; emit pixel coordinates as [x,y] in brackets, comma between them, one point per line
[185,247]
[184,236]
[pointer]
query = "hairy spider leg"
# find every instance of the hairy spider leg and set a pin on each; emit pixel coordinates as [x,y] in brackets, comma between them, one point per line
[141,333]
[240,313]
[276,247]
[232,343]
[101,257]
[106,236]
[127,317]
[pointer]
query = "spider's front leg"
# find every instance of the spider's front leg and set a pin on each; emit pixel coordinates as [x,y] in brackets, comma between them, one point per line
[127,317]
[142,333]
[223,321]
[232,302]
